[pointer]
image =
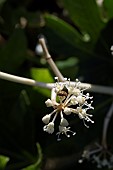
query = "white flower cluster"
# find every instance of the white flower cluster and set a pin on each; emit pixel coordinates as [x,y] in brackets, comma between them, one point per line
[67,98]
[100,156]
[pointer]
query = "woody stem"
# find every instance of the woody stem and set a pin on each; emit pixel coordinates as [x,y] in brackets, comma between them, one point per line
[50,60]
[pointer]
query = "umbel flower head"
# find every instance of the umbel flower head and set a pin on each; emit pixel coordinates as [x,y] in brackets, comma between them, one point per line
[99,155]
[66,99]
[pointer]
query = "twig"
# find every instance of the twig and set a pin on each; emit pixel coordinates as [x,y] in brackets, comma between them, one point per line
[50,60]
[93,88]
[101,89]
[26,81]
[105,126]
[30,82]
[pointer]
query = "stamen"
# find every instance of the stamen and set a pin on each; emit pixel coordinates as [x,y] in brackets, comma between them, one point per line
[64,130]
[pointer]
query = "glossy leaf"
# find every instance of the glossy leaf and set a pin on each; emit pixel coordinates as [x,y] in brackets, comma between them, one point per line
[85,16]
[42,75]
[66,31]
[68,35]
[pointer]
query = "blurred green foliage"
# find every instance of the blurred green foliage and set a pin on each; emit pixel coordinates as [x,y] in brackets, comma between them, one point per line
[79,36]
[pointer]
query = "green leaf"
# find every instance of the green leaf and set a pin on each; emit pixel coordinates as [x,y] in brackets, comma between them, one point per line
[43,75]
[63,29]
[3,162]
[36,165]
[59,30]
[2,1]
[85,15]
[13,53]
[108,5]
[70,62]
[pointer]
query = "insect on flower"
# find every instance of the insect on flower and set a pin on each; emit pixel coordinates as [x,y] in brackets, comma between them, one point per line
[62,93]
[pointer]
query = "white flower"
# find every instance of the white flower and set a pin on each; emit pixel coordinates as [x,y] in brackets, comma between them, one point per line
[73,90]
[59,85]
[64,122]
[46,118]
[64,130]
[105,162]
[80,99]
[83,115]
[48,103]
[73,100]
[49,128]
[96,159]
[67,111]
[76,92]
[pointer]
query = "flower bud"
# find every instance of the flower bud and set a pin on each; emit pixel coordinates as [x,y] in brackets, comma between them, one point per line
[46,118]
[64,122]
[48,103]
[67,110]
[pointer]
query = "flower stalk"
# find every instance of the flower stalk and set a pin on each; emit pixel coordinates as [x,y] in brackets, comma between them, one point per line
[105,126]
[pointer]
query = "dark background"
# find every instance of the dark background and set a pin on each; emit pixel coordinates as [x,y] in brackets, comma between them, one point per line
[79,35]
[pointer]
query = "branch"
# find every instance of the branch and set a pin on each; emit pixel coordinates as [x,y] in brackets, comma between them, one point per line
[30,82]
[26,81]
[50,60]
[105,126]
[93,88]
